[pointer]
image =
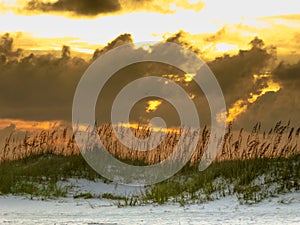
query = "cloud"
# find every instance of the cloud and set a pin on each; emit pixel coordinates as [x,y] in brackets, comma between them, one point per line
[282,105]
[243,78]
[221,33]
[236,73]
[97,7]
[120,40]
[38,87]
[41,87]
[288,75]
[271,108]
[6,44]
[78,7]
[165,7]
[250,81]
[182,38]
[291,17]
[6,48]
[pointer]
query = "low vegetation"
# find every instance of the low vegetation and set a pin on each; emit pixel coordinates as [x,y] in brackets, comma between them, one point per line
[250,180]
[40,175]
[251,165]
[280,141]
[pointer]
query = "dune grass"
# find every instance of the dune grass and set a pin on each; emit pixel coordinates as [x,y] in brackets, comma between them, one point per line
[280,141]
[251,165]
[40,175]
[250,180]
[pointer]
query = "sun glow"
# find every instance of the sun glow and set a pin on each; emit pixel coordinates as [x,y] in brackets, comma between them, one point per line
[153,105]
[142,25]
[237,109]
[211,28]
[271,87]
[241,105]
[137,126]
[224,47]
[29,125]
[189,77]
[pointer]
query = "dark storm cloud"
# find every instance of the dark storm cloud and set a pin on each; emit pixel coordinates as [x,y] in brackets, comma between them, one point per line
[235,76]
[288,75]
[273,107]
[37,87]
[79,7]
[283,105]
[92,8]
[41,87]
[235,73]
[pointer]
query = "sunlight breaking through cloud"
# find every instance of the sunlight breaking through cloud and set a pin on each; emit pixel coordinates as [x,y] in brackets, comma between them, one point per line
[188,77]
[153,105]
[241,106]
[271,87]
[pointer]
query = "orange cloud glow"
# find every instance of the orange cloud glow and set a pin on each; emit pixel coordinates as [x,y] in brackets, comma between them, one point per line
[237,109]
[241,105]
[29,125]
[153,105]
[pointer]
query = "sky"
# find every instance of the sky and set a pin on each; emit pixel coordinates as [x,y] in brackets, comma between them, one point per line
[252,47]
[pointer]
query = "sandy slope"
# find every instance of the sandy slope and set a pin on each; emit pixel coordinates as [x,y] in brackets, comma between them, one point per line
[284,209]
